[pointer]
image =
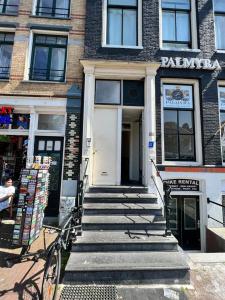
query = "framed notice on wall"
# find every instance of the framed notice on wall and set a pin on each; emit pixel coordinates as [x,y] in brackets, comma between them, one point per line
[177,96]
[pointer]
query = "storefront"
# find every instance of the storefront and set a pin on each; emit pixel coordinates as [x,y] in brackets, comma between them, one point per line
[31,127]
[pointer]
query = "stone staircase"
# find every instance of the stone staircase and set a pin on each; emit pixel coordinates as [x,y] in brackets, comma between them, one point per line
[123,241]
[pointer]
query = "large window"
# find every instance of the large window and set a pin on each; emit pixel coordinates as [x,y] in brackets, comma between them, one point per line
[109,92]
[53,8]
[48,58]
[219,8]
[179,131]
[222,120]
[122,25]
[176,24]
[6,48]
[9,6]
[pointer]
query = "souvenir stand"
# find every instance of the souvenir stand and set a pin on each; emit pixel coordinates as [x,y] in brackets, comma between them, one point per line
[33,199]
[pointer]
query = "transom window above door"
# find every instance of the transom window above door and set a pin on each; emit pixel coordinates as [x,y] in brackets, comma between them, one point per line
[176,24]
[53,8]
[122,22]
[120,92]
[48,61]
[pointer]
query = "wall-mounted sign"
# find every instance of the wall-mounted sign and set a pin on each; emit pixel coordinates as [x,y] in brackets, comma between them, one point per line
[182,185]
[6,110]
[189,63]
[150,144]
[177,96]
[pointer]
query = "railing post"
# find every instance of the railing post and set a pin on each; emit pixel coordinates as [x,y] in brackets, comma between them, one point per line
[167,191]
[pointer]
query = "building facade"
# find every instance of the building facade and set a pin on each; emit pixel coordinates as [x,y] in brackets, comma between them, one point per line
[154,89]
[41,43]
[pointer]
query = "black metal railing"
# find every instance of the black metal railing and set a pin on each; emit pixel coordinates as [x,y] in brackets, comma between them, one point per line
[166,197]
[9,8]
[218,204]
[47,74]
[82,183]
[57,12]
[4,72]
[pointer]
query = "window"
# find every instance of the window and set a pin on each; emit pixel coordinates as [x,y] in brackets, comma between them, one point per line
[9,6]
[109,92]
[176,24]
[6,48]
[122,21]
[53,8]
[219,9]
[51,122]
[222,120]
[179,132]
[48,58]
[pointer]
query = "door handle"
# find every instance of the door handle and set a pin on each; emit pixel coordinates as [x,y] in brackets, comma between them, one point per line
[198,224]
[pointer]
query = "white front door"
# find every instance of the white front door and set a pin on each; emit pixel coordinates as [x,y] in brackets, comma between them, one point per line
[106,142]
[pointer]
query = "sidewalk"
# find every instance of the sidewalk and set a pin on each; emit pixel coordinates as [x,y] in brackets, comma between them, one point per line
[23,280]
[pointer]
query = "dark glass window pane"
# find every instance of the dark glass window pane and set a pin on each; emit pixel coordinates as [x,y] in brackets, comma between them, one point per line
[5,60]
[183,27]
[122,3]
[1,6]
[171,147]
[170,122]
[129,27]
[186,122]
[220,36]
[40,39]
[40,64]
[57,64]
[169,33]
[176,4]
[11,6]
[133,93]
[45,7]
[219,5]
[107,92]
[61,40]
[115,26]
[9,37]
[187,147]
[51,40]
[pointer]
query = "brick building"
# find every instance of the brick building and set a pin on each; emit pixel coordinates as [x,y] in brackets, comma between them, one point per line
[41,43]
[154,89]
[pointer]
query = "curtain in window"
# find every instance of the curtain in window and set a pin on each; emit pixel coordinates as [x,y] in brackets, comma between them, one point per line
[220,37]
[183,27]
[5,60]
[129,27]
[115,27]
[57,64]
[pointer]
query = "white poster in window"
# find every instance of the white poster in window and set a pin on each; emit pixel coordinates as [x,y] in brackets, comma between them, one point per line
[41,145]
[222,97]
[177,96]
[57,146]
[49,146]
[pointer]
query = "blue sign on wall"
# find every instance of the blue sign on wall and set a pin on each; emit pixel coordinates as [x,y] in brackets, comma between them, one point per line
[150,144]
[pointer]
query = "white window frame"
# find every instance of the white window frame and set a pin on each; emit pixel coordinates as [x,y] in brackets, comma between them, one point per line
[197,120]
[104,28]
[214,24]
[29,54]
[220,84]
[194,37]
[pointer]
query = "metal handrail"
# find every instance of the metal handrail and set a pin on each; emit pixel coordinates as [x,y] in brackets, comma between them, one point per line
[82,183]
[218,204]
[166,198]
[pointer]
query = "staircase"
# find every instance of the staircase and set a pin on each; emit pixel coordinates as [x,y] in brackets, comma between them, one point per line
[123,241]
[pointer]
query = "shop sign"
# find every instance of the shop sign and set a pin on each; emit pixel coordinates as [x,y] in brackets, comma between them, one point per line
[190,63]
[182,185]
[177,96]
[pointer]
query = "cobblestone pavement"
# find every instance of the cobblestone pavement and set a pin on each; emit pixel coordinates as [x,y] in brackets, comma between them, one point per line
[23,280]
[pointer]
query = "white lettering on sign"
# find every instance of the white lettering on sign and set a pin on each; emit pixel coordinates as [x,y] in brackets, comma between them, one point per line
[190,63]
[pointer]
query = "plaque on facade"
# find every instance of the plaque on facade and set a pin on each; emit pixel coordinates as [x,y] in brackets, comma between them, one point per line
[182,185]
[177,96]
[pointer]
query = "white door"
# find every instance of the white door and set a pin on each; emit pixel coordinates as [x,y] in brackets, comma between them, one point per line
[106,136]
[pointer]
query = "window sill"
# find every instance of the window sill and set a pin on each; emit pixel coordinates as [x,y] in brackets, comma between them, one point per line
[220,51]
[181,50]
[10,15]
[52,18]
[181,163]
[44,82]
[123,47]
[4,80]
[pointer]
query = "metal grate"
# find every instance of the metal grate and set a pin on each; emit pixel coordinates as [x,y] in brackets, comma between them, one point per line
[89,292]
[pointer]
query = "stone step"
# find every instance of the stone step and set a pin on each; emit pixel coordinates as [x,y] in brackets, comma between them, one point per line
[121,209]
[102,241]
[118,197]
[126,268]
[132,222]
[118,189]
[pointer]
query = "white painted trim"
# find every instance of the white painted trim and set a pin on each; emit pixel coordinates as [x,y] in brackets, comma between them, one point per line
[179,50]
[104,28]
[119,144]
[194,27]
[14,132]
[198,142]
[220,84]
